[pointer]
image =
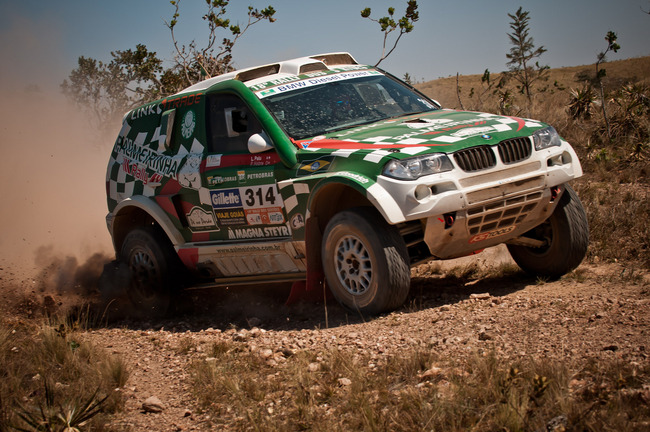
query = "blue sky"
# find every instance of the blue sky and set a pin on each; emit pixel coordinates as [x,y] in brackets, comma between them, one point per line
[464,36]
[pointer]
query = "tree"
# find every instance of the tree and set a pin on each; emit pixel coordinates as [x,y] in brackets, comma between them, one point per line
[523,53]
[135,76]
[612,45]
[107,89]
[198,63]
[387,24]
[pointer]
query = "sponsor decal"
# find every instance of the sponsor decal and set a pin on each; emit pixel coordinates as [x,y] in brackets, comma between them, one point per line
[217,180]
[213,161]
[250,248]
[357,177]
[230,217]
[189,175]
[265,216]
[489,235]
[251,233]
[293,83]
[241,176]
[201,220]
[455,126]
[181,101]
[259,175]
[472,131]
[297,221]
[225,198]
[147,110]
[189,122]
[152,160]
[139,172]
[314,166]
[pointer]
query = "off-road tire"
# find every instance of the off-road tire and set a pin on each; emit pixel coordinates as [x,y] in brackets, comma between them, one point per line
[365,261]
[151,262]
[566,232]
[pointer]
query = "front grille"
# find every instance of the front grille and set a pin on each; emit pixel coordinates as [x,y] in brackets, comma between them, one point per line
[475,158]
[500,214]
[514,150]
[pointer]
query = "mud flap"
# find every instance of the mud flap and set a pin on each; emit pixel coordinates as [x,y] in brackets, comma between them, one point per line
[313,289]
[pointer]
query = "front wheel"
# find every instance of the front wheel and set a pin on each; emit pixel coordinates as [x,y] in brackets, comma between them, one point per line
[150,263]
[566,237]
[365,261]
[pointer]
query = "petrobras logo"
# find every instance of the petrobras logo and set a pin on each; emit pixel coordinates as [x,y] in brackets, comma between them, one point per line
[225,198]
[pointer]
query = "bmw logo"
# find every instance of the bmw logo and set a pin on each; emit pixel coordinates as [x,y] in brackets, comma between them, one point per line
[486,136]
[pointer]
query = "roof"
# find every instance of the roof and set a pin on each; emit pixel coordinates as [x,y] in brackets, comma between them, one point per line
[278,70]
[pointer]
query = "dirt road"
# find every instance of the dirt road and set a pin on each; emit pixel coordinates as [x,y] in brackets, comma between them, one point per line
[598,312]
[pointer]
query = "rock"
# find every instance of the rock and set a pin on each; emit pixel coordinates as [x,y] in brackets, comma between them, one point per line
[313,367]
[485,336]
[153,405]
[266,353]
[556,424]
[432,374]
[481,296]
[241,336]
[344,382]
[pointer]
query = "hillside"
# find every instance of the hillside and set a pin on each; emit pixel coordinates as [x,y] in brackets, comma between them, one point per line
[630,70]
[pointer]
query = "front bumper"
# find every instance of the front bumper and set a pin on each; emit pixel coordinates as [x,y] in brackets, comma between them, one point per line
[462,212]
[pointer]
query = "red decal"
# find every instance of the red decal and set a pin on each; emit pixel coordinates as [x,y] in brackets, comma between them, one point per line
[351,145]
[181,101]
[200,237]
[264,159]
[520,122]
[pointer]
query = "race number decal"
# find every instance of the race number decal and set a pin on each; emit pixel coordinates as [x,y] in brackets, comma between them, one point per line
[262,204]
[261,196]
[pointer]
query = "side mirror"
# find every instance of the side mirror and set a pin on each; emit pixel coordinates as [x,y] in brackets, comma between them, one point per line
[259,143]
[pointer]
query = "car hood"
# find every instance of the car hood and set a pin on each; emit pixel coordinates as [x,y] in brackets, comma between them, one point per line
[443,131]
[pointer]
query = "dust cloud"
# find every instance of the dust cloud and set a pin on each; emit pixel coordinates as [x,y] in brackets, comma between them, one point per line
[52,182]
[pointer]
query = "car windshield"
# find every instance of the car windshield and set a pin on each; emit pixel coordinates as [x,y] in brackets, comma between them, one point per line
[315,106]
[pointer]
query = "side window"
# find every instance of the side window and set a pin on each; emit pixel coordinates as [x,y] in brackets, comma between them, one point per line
[229,124]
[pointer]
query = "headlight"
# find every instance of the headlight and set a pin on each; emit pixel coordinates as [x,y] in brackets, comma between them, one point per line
[545,138]
[413,168]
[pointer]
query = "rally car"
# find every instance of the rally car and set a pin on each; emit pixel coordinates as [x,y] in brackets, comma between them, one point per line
[327,173]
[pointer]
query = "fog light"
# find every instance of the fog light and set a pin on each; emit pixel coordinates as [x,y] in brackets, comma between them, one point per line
[422,192]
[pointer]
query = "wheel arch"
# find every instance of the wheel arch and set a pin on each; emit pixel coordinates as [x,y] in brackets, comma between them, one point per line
[137,212]
[327,198]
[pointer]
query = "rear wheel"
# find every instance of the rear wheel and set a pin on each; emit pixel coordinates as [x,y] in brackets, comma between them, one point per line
[566,237]
[151,263]
[365,261]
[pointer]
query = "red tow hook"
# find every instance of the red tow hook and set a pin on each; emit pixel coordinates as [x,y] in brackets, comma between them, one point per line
[555,192]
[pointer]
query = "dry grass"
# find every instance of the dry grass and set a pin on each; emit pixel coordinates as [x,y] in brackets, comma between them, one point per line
[52,377]
[340,391]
